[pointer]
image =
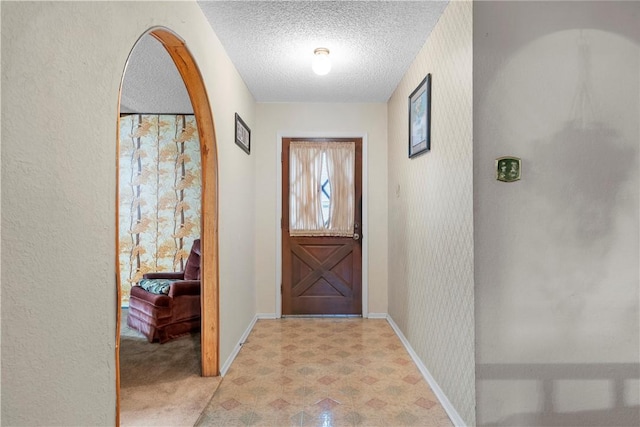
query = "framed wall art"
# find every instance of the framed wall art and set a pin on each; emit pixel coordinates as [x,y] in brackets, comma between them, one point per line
[420,118]
[243,135]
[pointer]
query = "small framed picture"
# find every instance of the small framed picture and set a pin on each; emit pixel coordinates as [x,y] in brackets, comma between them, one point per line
[243,135]
[420,118]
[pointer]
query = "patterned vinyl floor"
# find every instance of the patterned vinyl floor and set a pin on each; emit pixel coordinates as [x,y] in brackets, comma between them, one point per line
[323,372]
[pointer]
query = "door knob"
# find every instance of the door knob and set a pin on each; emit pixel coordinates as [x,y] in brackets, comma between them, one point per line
[356,236]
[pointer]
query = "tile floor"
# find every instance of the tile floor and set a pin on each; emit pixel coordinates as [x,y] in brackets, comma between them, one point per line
[323,372]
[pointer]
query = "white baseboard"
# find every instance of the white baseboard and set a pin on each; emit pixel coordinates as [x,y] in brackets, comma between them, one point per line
[236,350]
[268,316]
[377,316]
[444,401]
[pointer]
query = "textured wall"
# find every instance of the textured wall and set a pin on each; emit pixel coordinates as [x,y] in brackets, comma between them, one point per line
[62,63]
[370,119]
[431,213]
[556,253]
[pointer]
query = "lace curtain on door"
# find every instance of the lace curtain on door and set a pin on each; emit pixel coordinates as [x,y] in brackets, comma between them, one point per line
[321,188]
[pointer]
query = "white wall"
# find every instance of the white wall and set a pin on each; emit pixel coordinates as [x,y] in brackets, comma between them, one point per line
[305,119]
[557,320]
[431,213]
[61,68]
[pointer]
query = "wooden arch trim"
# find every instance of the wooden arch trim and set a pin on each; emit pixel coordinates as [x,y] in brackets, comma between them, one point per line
[210,332]
[209,295]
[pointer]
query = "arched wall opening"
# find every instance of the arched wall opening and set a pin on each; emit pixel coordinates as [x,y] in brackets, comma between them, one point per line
[188,69]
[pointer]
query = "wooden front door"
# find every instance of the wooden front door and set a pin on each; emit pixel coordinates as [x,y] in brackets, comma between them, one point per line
[322,275]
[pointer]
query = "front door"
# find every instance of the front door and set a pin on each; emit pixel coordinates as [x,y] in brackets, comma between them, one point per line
[322,274]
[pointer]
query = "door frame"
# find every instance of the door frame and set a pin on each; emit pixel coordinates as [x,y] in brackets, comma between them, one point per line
[365,211]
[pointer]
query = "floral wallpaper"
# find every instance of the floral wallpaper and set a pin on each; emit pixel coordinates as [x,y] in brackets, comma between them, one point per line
[160,187]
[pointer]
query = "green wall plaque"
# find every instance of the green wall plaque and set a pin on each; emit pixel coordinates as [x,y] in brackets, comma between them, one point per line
[508,169]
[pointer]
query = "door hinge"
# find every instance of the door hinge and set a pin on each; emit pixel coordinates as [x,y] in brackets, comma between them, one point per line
[281,156]
[281,288]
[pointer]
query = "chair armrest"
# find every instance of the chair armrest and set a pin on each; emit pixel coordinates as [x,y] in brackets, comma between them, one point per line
[179,275]
[184,287]
[141,297]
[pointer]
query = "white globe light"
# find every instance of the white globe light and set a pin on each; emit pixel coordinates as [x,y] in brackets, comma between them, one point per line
[321,63]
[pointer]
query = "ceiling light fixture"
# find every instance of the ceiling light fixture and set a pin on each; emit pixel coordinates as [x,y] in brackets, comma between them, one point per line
[321,63]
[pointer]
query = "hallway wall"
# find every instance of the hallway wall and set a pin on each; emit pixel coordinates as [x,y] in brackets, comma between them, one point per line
[304,119]
[61,68]
[431,213]
[557,318]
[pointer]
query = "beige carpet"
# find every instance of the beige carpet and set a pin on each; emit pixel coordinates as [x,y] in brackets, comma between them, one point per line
[160,384]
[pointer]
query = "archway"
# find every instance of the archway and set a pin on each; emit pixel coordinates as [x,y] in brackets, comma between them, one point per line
[194,84]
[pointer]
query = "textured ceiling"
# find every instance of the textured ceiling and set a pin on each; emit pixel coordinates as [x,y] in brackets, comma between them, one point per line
[271,43]
[152,83]
[372,44]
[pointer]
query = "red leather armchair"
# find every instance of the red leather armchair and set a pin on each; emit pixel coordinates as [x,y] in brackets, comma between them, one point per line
[163,317]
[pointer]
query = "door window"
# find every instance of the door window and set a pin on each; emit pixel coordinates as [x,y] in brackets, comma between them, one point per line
[321,188]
